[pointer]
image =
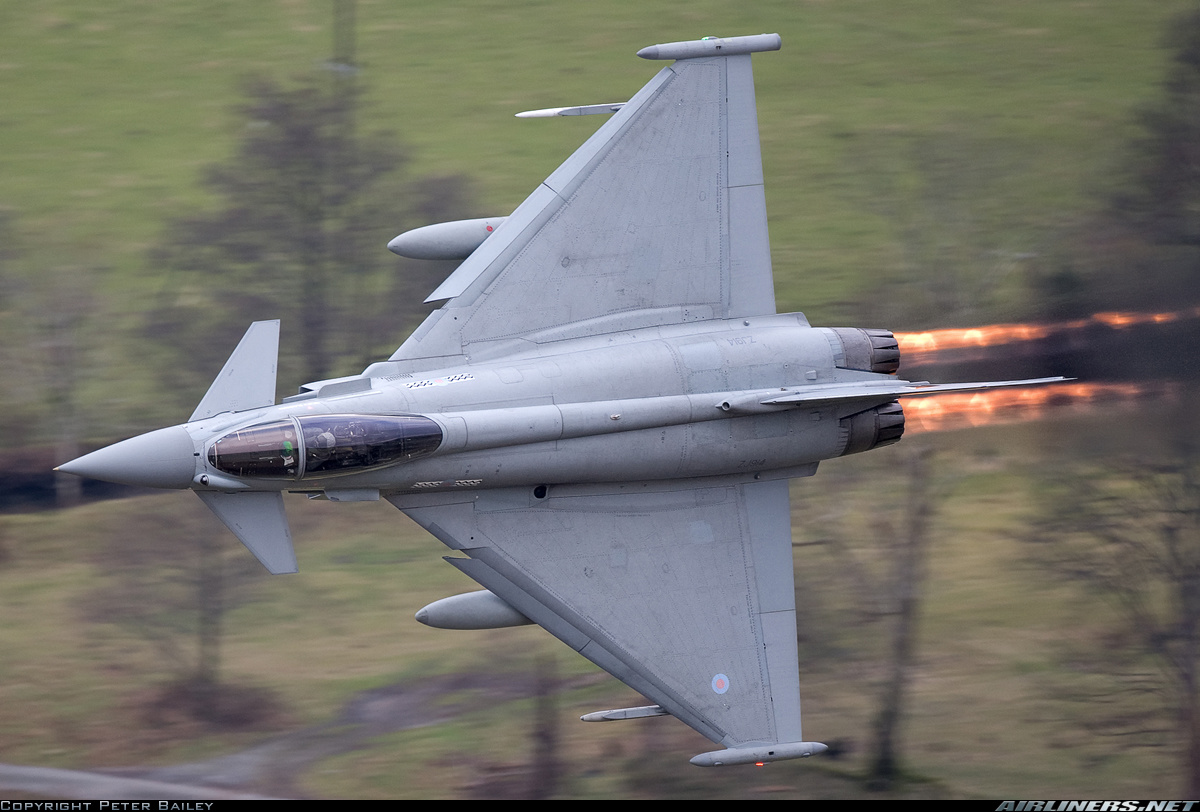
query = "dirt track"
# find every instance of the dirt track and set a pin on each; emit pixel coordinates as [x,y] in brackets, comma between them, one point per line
[275,767]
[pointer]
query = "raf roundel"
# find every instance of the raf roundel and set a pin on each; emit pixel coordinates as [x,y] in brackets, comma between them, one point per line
[720,684]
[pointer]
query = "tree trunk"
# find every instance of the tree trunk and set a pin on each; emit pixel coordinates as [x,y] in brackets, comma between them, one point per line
[909,551]
[547,769]
[210,600]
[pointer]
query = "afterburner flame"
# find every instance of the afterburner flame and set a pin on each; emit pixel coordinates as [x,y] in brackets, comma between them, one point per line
[993,334]
[967,410]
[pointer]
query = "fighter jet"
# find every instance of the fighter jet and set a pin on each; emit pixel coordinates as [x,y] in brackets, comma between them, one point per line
[601,421]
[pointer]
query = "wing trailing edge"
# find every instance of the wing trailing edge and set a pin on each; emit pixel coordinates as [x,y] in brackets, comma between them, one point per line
[684,592]
[890,390]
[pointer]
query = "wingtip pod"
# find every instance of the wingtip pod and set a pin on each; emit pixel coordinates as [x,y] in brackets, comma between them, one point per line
[759,755]
[713,46]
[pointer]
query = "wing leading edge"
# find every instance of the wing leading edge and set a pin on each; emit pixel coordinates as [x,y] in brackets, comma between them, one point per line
[659,218]
[684,593]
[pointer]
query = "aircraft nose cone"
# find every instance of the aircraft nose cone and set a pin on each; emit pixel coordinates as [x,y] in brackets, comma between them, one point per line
[159,459]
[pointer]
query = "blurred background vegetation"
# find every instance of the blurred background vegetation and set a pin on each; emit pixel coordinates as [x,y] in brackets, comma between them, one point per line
[170,173]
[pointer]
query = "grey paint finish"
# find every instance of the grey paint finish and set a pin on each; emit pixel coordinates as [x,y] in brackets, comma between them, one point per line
[768,510]
[712,46]
[247,381]
[258,520]
[601,419]
[473,610]
[581,110]
[641,221]
[457,240]
[159,459]
[674,585]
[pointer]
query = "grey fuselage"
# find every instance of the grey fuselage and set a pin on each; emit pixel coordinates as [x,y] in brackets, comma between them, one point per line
[670,402]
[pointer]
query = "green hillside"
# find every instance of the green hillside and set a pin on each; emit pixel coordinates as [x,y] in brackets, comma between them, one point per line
[986,128]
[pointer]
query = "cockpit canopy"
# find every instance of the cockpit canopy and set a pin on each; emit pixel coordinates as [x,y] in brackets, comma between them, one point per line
[324,445]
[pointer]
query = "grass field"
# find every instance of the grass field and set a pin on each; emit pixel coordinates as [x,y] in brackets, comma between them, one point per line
[896,137]
[987,715]
[1020,114]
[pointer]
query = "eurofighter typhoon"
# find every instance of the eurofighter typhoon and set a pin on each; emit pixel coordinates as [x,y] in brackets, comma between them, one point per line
[600,421]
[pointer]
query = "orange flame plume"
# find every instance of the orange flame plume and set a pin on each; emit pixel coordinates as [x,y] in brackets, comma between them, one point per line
[967,410]
[993,334]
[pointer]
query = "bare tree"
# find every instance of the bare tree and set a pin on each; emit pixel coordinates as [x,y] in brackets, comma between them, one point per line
[1165,199]
[45,315]
[1142,249]
[66,307]
[547,767]
[171,578]
[907,551]
[871,551]
[1131,533]
[306,208]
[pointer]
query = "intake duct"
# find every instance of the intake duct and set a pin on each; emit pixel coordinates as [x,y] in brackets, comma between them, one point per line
[868,350]
[873,428]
